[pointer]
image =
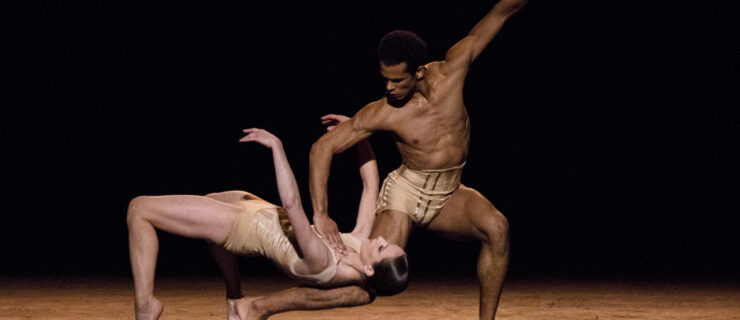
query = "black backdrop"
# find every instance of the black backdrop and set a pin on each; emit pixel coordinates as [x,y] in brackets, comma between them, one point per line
[605,131]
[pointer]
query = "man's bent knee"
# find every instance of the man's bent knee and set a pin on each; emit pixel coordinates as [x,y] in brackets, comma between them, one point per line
[500,224]
[361,296]
[495,227]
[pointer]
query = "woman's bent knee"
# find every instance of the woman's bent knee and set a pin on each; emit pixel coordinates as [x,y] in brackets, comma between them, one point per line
[135,208]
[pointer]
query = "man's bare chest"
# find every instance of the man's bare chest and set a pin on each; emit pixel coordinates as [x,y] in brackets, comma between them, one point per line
[428,126]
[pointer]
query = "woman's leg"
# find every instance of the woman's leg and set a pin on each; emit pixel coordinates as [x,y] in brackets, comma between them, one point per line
[228,262]
[189,216]
[237,305]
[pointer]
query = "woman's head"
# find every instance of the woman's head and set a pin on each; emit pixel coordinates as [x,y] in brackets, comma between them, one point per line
[391,276]
[385,266]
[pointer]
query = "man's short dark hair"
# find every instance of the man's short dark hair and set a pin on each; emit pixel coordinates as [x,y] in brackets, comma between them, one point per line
[402,46]
[391,276]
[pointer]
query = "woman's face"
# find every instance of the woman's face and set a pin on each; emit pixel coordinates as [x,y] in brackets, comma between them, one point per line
[375,250]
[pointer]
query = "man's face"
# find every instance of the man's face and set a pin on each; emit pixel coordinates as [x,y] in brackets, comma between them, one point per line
[399,83]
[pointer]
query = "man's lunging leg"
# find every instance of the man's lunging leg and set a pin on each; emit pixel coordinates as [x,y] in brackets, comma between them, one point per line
[308,298]
[470,216]
[492,264]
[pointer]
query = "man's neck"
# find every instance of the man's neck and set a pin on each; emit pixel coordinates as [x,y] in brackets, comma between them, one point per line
[422,87]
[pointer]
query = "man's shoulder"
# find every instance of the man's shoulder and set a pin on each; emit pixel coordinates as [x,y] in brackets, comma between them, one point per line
[376,104]
[375,115]
[434,65]
[372,108]
[439,69]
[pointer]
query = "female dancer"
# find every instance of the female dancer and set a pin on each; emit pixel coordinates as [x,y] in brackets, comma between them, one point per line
[245,224]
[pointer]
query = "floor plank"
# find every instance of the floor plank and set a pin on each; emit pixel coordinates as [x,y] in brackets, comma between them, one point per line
[427,298]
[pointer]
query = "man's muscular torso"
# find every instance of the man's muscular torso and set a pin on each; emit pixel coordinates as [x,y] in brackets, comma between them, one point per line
[431,129]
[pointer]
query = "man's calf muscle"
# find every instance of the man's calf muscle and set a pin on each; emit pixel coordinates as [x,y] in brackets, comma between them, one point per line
[308,298]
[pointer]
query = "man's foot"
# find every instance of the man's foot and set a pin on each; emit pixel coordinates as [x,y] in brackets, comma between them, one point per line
[243,309]
[149,310]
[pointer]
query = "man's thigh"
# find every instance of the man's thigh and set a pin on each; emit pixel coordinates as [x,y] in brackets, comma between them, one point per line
[395,226]
[468,215]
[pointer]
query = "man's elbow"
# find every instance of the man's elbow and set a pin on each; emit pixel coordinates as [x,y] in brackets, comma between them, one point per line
[320,149]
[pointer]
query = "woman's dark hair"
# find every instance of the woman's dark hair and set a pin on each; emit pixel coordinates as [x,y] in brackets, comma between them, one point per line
[391,276]
[402,46]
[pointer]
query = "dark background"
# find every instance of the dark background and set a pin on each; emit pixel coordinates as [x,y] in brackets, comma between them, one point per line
[606,131]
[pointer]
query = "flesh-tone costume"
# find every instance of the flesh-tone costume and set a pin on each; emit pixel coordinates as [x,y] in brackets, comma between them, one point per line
[419,193]
[263,229]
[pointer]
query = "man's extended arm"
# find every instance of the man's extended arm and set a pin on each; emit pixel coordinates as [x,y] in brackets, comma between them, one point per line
[370,179]
[465,51]
[345,135]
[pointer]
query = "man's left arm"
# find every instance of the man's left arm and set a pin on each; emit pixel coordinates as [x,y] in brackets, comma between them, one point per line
[465,51]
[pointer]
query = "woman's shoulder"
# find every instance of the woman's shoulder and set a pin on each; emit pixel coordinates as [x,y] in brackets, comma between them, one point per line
[352,241]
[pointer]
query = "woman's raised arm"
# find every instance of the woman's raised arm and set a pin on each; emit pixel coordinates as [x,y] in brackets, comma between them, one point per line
[316,255]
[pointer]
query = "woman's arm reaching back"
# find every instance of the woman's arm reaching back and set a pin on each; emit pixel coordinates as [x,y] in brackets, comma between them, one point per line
[316,255]
[370,186]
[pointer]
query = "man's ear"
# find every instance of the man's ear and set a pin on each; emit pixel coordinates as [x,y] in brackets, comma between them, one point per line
[369,271]
[420,72]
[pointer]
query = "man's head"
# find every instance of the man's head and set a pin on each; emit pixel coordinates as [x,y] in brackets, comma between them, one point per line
[401,55]
[385,266]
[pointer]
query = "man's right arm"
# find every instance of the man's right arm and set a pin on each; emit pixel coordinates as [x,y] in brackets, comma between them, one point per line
[344,136]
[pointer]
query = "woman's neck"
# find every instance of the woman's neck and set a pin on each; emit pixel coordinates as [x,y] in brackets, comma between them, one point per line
[352,260]
[349,269]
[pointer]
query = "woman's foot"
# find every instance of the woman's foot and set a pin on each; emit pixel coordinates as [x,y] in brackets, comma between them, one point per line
[150,309]
[243,309]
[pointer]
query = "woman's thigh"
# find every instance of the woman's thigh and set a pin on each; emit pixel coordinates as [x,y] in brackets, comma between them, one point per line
[189,216]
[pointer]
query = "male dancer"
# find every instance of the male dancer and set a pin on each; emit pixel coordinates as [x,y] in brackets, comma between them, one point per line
[423,107]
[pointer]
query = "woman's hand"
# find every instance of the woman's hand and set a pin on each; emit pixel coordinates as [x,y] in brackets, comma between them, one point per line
[261,136]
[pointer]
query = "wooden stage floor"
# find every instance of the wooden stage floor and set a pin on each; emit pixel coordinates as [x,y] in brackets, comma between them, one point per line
[426,298]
